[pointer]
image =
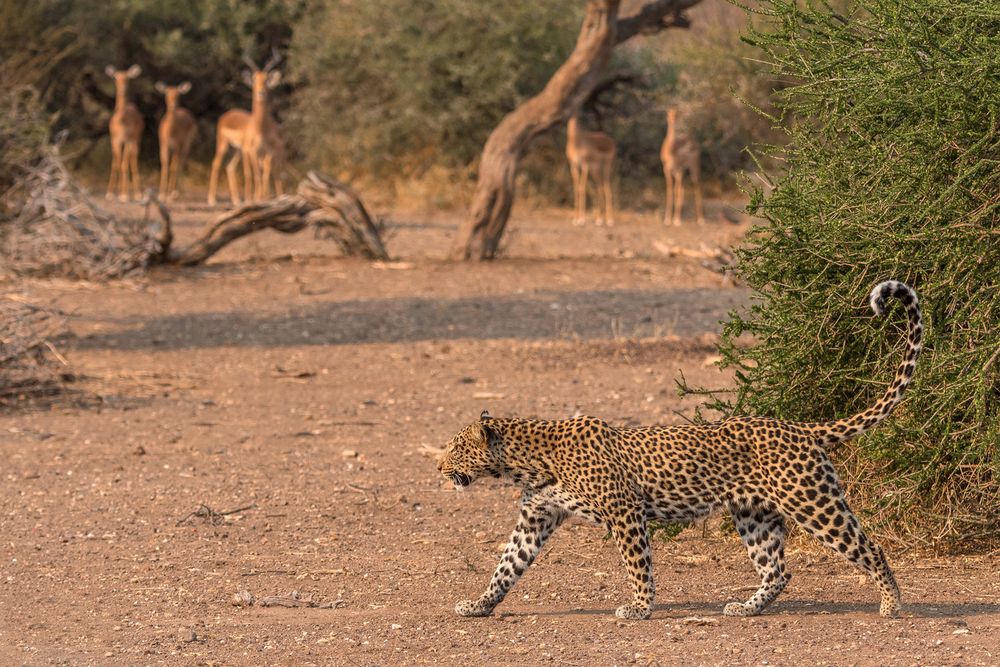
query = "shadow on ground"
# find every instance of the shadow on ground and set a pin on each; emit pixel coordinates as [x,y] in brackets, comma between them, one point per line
[784,609]
[548,315]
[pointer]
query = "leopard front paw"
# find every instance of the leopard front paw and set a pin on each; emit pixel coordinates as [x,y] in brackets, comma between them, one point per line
[473,608]
[889,609]
[738,609]
[633,612]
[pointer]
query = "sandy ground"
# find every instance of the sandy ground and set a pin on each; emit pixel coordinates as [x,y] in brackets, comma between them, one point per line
[292,392]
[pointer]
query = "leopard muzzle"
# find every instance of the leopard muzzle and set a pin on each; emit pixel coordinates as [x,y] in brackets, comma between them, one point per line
[460,479]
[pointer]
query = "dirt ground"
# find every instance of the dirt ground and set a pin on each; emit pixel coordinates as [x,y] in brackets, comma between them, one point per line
[260,424]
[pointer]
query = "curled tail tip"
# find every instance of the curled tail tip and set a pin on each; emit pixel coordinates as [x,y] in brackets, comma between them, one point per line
[890,288]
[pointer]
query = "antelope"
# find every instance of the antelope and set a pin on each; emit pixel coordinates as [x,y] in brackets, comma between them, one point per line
[255,136]
[680,153]
[177,130]
[125,129]
[590,152]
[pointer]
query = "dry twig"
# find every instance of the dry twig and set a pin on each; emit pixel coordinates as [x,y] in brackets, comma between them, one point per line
[214,517]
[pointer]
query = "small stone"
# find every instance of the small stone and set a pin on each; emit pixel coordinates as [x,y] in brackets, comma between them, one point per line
[349,453]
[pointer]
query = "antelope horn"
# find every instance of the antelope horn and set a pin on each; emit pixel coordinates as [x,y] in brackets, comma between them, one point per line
[250,63]
[273,62]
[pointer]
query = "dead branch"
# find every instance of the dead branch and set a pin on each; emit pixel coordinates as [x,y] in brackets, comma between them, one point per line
[60,231]
[327,205]
[293,600]
[341,215]
[284,214]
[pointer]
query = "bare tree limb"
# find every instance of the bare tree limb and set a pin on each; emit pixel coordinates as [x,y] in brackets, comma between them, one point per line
[654,17]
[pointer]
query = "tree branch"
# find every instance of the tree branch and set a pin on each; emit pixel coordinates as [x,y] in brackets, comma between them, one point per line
[654,17]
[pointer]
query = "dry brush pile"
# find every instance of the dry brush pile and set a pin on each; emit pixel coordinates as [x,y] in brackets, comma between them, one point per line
[48,225]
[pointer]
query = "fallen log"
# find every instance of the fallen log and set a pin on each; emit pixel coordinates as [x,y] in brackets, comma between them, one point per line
[329,206]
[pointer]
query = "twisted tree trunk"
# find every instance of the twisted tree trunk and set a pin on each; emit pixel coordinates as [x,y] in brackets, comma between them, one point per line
[602,30]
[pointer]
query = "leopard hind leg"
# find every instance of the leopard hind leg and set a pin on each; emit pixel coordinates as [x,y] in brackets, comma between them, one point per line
[763,533]
[824,513]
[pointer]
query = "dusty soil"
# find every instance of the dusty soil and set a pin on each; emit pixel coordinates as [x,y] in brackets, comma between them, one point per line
[292,392]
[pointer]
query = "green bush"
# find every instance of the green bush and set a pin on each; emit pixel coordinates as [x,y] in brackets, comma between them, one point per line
[892,170]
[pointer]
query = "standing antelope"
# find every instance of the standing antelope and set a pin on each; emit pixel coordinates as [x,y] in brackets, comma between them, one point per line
[125,128]
[590,152]
[177,130]
[255,136]
[680,153]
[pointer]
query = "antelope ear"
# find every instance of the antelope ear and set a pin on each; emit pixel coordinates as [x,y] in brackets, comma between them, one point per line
[160,87]
[110,71]
[184,88]
[248,77]
[273,78]
[134,71]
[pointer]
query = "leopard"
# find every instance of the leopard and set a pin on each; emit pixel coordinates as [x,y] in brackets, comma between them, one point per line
[767,473]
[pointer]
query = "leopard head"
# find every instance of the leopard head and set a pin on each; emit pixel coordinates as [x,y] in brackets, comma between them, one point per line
[471,453]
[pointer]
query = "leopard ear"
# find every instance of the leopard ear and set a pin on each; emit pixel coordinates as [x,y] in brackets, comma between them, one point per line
[491,437]
[485,414]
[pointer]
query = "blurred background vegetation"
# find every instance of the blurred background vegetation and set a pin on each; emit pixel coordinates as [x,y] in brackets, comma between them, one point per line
[398,93]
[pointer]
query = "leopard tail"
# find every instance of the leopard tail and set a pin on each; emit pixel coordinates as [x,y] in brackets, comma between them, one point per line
[842,430]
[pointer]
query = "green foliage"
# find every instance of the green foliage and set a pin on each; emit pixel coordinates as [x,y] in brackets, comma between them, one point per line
[397,86]
[892,170]
[665,531]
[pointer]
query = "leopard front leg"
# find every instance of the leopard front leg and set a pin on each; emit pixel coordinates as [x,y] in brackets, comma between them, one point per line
[629,532]
[763,532]
[535,525]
